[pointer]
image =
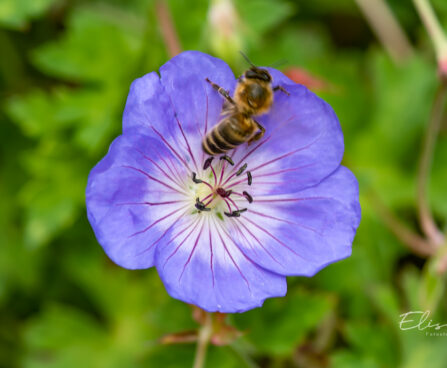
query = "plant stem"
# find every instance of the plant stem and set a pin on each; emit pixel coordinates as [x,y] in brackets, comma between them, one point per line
[427,222]
[433,27]
[387,29]
[406,235]
[203,341]
[167,28]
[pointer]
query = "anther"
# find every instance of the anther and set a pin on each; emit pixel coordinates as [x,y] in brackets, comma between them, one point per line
[241,169]
[195,180]
[247,196]
[235,213]
[201,206]
[249,177]
[227,158]
[207,163]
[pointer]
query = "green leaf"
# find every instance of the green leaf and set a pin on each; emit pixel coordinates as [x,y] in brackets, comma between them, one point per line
[96,47]
[373,340]
[254,14]
[433,282]
[289,320]
[348,359]
[51,200]
[16,14]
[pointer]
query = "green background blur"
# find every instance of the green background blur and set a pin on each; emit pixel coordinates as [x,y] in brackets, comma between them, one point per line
[65,71]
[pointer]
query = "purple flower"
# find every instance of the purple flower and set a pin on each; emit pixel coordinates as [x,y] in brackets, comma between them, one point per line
[299,214]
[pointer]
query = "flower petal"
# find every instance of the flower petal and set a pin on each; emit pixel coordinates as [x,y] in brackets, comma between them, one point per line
[181,106]
[130,194]
[300,234]
[203,266]
[147,105]
[303,144]
[279,78]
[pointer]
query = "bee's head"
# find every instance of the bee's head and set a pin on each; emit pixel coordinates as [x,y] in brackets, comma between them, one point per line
[258,73]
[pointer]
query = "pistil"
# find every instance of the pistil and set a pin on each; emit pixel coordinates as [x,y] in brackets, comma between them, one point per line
[204,197]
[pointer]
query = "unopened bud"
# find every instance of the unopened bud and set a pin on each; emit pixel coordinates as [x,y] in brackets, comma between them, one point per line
[225,29]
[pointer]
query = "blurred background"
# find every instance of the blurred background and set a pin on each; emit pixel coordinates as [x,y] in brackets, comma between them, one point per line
[65,71]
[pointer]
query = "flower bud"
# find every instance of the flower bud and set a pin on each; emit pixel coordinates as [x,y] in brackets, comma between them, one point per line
[224,29]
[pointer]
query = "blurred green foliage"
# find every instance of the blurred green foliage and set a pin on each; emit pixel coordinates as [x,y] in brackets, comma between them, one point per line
[65,71]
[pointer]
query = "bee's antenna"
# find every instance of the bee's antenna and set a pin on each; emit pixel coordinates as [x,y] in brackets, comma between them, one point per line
[247,59]
[278,63]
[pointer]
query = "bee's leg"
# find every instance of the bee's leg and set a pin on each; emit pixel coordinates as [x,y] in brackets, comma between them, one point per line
[280,88]
[222,91]
[259,134]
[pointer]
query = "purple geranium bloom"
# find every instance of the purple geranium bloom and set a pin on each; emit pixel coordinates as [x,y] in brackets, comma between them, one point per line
[299,214]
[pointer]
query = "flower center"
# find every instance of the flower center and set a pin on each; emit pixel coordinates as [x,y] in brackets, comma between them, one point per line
[217,193]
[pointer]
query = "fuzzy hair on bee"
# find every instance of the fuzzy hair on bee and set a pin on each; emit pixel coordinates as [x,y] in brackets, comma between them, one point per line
[253,96]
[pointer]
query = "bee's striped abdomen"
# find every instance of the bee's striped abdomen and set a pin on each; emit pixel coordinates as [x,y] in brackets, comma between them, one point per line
[225,136]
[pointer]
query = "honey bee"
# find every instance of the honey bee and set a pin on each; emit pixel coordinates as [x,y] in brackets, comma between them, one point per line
[253,96]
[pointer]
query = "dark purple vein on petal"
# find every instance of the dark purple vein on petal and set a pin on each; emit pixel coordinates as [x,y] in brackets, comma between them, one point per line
[211,250]
[164,233]
[173,150]
[293,199]
[277,240]
[187,144]
[149,203]
[286,221]
[194,224]
[175,174]
[206,113]
[179,124]
[259,242]
[169,167]
[285,155]
[283,171]
[192,250]
[232,259]
[232,173]
[154,179]
[157,221]
[206,119]
[160,169]
[281,125]
[240,250]
[174,165]
[233,184]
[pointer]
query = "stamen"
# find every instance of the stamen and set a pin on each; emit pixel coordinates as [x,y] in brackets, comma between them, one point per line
[233,203]
[247,196]
[235,213]
[195,180]
[201,206]
[249,177]
[207,163]
[209,201]
[228,204]
[204,199]
[214,174]
[241,170]
[227,158]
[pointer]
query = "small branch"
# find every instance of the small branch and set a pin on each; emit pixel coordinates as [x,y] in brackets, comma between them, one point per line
[433,27]
[412,240]
[167,28]
[386,28]
[205,333]
[428,224]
